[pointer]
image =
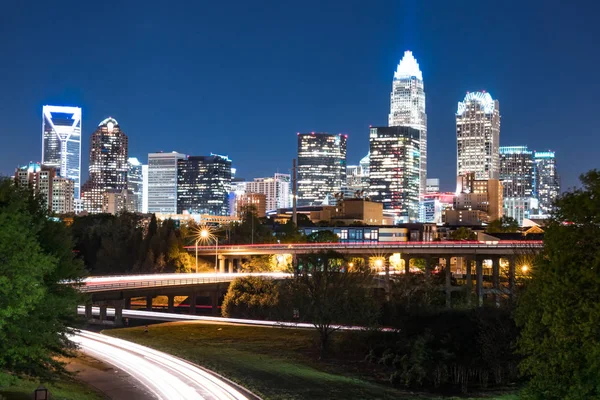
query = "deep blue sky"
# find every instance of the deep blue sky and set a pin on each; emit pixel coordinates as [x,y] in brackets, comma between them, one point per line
[241,78]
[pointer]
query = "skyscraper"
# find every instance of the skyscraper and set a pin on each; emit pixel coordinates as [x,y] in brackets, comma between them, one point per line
[61,142]
[135,182]
[145,188]
[518,182]
[407,106]
[108,164]
[162,182]
[275,188]
[394,170]
[547,182]
[203,185]
[321,167]
[478,136]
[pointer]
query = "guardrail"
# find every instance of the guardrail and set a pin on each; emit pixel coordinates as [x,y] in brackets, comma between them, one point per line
[504,244]
[146,281]
[152,283]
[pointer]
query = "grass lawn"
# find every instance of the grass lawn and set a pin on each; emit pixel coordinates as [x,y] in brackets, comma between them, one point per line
[65,389]
[274,363]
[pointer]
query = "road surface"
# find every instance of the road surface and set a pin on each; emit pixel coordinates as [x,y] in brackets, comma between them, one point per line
[165,376]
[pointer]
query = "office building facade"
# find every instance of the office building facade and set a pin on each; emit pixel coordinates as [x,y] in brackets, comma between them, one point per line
[203,185]
[478,136]
[276,189]
[108,164]
[135,183]
[407,106]
[162,182]
[547,181]
[321,167]
[61,142]
[517,174]
[57,192]
[394,170]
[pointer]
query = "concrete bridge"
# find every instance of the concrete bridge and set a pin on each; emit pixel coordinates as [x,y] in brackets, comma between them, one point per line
[467,260]
[117,291]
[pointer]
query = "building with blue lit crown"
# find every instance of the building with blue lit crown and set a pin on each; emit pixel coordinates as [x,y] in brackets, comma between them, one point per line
[407,106]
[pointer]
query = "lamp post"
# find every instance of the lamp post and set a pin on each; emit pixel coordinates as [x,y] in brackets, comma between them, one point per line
[206,235]
[216,254]
[197,240]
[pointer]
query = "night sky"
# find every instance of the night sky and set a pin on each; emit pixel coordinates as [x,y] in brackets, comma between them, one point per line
[240,78]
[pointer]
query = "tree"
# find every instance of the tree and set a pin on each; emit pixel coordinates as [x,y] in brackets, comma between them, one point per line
[324,236]
[37,307]
[251,297]
[559,312]
[326,295]
[503,225]
[463,233]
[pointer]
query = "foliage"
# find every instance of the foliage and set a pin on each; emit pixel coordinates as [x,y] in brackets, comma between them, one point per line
[410,294]
[288,233]
[250,229]
[266,263]
[36,307]
[450,349]
[324,236]
[120,244]
[251,297]
[463,233]
[560,310]
[503,225]
[326,295]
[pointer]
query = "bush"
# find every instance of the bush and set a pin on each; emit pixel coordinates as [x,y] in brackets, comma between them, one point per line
[251,297]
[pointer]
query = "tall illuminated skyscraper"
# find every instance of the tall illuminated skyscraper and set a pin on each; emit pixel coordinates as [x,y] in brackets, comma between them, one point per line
[61,142]
[407,106]
[162,182]
[518,182]
[203,185]
[108,164]
[478,136]
[321,167]
[547,182]
[135,182]
[394,168]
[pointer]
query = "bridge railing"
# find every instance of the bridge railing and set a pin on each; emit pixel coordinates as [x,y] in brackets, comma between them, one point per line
[152,283]
[504,244]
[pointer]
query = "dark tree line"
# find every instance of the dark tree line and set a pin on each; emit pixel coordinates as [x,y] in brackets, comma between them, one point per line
[126,243]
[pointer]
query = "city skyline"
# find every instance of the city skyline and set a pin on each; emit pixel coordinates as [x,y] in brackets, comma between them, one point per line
[319,97]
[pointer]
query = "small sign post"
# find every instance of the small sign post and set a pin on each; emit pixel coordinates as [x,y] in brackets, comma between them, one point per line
[41,393]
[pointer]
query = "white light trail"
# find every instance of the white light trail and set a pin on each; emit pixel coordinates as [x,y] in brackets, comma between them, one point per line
[166,377]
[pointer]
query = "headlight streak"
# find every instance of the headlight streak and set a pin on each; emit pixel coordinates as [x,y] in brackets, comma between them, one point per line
[166,376]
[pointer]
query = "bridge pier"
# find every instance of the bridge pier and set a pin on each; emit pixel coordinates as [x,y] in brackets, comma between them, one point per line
[214,299]
[119,313]
[427,267]
[406,257]
[88,312]
[511,277]
[127,304]
[222,264]
[149,303]
[193,300]
[496,279]
[469,280]
[171,303]
[103,312]
[479,284]
[448,282]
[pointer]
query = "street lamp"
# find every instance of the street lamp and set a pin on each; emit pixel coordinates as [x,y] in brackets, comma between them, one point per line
[204,234]
[524,268]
